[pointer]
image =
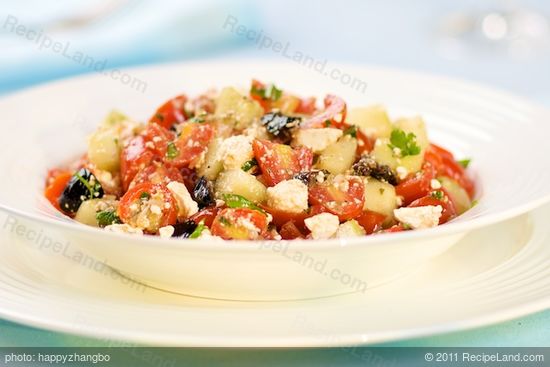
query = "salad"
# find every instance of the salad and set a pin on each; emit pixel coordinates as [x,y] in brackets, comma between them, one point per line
[262,164]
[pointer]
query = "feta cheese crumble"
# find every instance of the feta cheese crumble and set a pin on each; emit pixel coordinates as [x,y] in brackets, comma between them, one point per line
[166,232]
[322,226]
[186,205]
[288,196]
[235,151]
[317,139]
[419,217]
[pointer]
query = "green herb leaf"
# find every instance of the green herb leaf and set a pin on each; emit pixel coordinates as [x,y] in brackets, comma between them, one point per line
[438,194]
[225,221]
[465,162]
[200,118]
[238,201]
[248,165]
[406,143]
[145,196]
[198,231]
[328,123]
[352,130]
[172,151]
[271,92]
[106,218]
[93,187]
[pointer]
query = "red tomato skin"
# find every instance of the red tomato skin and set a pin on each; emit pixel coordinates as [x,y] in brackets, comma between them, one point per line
[134,157]
[157,173]
[289,231]
[346,205]
[226,226]
[445,165]
[206,215]
[371,221]
[365,144]
[191,143]
[306,106]
[394,229]
[449,211]
[171,112]
[56,182]
[279,162]
[169,215]
[157,138]
[281,217]
[417,185]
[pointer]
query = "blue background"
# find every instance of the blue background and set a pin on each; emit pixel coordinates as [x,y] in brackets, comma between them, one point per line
[443,37]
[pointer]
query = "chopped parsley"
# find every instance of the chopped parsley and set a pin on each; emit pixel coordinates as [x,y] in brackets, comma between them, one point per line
[406,143]
[270,92]
[465,162]
[248,165]
[159,116]
[225,221]
[93,185]
[437,195]
[171,151]
[145,196]
[200,118]
[328,123]
[107,217]
[198,231]
[238,201]
[352,131]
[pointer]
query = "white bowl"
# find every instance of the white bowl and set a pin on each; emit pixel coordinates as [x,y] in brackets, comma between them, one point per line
[505,135]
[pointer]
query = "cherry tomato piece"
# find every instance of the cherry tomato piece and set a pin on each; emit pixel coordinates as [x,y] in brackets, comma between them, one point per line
[449,211]
[148,206]
[171,112]
[56,182]
[371,221]
[190,145]
[341,196]
[416,185]
[239,224]
[279,162]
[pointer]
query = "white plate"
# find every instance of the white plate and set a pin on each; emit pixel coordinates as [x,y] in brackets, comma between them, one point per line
[505,136]
[492,275]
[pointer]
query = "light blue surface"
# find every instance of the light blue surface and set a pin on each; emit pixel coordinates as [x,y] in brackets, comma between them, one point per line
[398,33]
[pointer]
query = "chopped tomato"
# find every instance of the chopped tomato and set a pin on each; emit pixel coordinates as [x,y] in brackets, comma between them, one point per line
[341,196]
[206,215]
[306,106]
[446,165]
[281,217]
[449,211]
[191,143]
[289,231]
[134,157]
[148,206]
[334,113]
[395,228]
[56,182]
[171,112]
[416,185]
[371,221]
[157,139]
[279,162]
[239,224]
[157,173]
[258,86]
